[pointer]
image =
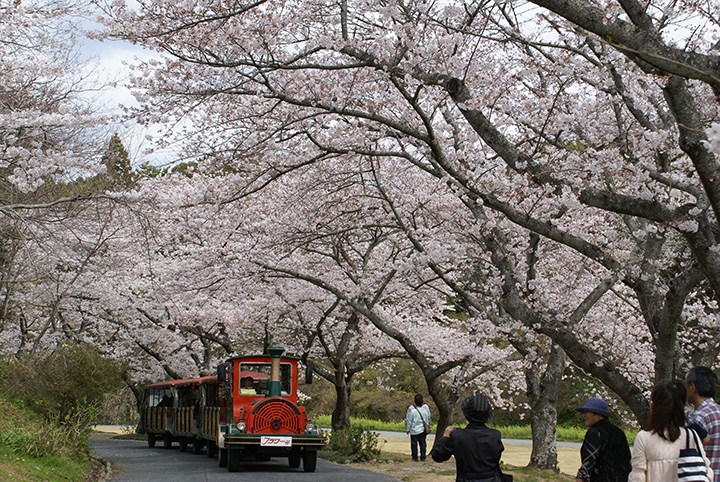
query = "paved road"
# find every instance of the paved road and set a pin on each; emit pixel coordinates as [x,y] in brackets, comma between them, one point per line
[133,461]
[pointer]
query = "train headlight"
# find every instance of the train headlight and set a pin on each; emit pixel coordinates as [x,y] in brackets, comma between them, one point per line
[241,426]
[309,428]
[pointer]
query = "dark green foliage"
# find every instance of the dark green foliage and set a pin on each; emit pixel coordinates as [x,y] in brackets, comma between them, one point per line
[29,434]
[56,385]
[50,403]
[185,168]
[385,390]
[149,171]
[381,392]
[354,443]
[403,375]
[380,404]
[117,162]
[320,397]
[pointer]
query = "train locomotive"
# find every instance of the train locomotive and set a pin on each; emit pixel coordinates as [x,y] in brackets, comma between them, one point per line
[248,412]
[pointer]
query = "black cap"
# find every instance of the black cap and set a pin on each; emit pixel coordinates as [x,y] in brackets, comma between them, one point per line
[477,408]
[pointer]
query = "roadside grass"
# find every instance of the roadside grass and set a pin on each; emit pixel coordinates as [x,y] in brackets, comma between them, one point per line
[49,468]
[519,475]
[32,450]
[520,432]
[536,475]
[130,436]
[344,459]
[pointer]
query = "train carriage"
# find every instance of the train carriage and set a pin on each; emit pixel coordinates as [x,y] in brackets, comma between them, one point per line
[156,417]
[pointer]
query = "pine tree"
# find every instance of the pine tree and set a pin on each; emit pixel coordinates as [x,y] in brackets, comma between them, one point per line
[117,162]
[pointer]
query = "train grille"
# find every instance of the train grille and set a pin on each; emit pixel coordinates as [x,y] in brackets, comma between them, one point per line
[276,416]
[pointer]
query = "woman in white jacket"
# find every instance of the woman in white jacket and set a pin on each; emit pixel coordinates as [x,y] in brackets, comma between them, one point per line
[656,450]
[418,414]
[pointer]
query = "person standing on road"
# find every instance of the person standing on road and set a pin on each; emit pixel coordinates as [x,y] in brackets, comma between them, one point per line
[418,415]
[701,385]
[605,452]
[477,448]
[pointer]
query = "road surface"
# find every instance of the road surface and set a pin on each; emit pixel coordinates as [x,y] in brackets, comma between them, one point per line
[134,461]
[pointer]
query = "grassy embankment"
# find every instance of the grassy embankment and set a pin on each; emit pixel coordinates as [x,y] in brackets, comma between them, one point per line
[34,450]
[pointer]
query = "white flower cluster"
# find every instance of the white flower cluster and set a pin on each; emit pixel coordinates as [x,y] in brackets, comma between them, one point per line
[713,134]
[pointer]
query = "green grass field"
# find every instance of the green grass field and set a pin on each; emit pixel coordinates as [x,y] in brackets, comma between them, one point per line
[521,432]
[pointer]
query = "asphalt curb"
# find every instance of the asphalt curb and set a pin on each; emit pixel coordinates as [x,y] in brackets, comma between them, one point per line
[102,470]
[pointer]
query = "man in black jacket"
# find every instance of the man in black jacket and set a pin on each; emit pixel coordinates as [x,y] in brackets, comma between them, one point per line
[605,452]
[477,448]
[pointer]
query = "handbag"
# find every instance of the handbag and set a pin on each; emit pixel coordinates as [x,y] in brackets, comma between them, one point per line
[691,465]
[428,429]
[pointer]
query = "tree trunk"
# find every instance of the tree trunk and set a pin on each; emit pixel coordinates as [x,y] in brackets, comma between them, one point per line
[445,404]
[543,392]
[341,412]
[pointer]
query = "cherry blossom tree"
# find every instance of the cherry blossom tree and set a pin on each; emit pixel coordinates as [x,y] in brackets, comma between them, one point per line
[570,133]
[348,247]
[336,343]
[51,139]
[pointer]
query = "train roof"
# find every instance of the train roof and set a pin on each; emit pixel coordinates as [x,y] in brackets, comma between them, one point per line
[263,356]
[195,382]
[186,382]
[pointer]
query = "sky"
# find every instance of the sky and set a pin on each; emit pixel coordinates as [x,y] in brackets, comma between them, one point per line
[108,66]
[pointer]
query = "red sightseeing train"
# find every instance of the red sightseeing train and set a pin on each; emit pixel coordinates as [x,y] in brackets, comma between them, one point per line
[248,412]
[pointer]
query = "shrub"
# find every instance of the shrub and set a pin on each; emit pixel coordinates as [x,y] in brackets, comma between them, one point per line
[29,434]
[51,403]
[54,385]
[354,443]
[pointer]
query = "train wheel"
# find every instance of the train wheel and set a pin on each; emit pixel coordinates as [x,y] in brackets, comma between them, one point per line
[211,449]
[223,458]
[309,460]
[183,444]
[197,446]
[294,460]
[167,440]
[233,460]
[151,440]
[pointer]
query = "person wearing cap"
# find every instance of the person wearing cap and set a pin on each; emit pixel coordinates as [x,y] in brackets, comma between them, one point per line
[477,448]
[605,452]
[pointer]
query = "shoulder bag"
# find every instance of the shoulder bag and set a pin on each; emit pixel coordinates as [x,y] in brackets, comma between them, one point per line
[691,465]
[425,424]
[504,477]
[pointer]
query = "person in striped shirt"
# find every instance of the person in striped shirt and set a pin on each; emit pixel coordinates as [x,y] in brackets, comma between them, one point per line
[701,386]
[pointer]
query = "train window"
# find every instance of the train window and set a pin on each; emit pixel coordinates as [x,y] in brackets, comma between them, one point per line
[159,397]
[151,398]
[254,378]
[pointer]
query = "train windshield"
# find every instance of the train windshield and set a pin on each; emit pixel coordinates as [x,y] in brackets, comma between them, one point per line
[254,378]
